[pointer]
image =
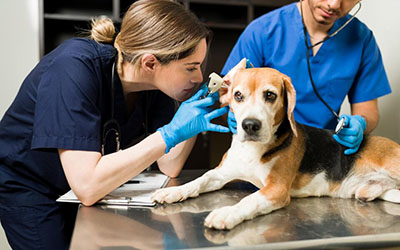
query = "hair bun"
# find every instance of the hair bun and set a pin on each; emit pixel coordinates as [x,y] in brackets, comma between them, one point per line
[103,30]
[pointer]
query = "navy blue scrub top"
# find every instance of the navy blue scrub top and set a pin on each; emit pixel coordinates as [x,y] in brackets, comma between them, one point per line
[63,103]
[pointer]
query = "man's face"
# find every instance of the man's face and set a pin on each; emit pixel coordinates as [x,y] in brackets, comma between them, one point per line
[326,12]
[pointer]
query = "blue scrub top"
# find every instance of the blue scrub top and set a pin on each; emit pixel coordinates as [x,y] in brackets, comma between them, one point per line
[349,63]
[63,103]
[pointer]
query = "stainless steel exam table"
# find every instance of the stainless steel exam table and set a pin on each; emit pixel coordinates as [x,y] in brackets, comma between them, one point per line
[307,223]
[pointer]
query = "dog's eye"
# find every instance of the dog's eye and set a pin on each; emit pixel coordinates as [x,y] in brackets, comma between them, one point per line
[238,96]
[269,96]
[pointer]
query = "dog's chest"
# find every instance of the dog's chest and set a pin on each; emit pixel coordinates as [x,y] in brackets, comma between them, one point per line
[244,158]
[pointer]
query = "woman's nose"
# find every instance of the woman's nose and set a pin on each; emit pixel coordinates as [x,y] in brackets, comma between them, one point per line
[198,77]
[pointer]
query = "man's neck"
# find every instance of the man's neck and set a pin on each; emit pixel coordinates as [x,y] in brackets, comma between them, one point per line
[316,30]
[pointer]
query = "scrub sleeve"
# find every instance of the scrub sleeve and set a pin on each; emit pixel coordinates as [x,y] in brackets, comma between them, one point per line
[62,103]
[56,107]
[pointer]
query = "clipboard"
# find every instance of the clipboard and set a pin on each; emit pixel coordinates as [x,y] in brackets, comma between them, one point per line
[135,192]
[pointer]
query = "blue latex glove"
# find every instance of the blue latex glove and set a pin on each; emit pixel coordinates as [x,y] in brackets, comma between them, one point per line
[215,96]
[232,124]
[352,134]
[249,64]
[193,116]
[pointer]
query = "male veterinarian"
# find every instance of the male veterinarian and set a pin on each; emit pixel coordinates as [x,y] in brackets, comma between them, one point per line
[344,59]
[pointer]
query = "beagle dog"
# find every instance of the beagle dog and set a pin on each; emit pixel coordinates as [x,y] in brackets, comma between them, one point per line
[284,158]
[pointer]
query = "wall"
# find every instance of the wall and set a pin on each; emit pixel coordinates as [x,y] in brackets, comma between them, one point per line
[19,49]
[19,46]
[381,17]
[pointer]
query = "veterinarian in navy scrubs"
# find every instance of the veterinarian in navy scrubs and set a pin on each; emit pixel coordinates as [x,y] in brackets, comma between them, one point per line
[71,105]
[348,63]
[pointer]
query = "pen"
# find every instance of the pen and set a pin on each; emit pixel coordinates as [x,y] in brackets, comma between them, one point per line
[132,182]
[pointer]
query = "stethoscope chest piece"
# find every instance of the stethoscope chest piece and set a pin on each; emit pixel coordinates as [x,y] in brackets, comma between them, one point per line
[340,125]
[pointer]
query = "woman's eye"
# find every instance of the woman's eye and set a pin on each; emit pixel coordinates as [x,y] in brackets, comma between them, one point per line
[238,96]
[191,69]
[269,96]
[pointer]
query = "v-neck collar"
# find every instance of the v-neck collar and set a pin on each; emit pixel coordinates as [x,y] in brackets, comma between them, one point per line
[299,23]
[120,104]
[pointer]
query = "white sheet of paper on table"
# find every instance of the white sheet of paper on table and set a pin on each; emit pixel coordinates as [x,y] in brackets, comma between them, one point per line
[132,194]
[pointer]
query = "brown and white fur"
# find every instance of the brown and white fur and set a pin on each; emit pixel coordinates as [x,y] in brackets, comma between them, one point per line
[286,159]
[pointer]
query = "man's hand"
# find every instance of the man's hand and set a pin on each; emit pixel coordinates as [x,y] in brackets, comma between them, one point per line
[232,124]
[352,134]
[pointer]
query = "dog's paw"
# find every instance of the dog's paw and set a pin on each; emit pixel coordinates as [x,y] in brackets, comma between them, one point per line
[169,195]
[223,218]
[169,209]
[216,236]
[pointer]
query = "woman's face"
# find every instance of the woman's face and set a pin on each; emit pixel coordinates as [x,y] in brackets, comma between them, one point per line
[179,79]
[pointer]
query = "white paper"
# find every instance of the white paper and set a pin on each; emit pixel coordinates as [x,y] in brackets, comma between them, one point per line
[132,194]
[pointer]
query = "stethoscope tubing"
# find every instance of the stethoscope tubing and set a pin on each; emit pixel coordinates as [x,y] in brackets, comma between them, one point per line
[112,120]
[309,47]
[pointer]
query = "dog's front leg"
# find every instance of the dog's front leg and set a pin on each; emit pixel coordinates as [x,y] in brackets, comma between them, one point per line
[263,201]
[212,180]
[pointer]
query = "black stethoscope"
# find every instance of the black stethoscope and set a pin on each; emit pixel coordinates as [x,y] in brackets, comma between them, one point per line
[341,122]
[111,128]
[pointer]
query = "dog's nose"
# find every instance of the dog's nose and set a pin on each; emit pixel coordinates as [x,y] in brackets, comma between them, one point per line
[251,126]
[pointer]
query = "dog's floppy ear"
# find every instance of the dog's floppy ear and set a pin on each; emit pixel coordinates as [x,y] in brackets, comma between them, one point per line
[291,101]
[225,93]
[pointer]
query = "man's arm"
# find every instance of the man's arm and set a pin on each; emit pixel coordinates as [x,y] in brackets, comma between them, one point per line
[368,110]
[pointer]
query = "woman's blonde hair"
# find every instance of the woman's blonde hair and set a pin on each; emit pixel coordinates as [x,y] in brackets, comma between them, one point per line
[163,28]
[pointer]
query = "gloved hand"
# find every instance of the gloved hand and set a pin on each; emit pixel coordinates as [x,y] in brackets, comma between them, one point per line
[232,124]
[351,135]
[249,64]
[193,116]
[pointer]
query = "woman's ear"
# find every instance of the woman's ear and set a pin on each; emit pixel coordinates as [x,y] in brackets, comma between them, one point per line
[149,62]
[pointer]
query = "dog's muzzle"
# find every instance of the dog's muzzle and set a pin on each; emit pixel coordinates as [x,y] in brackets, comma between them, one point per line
[251,127]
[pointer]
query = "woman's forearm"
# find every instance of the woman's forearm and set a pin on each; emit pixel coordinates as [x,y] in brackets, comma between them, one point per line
[92,176]
[171,164]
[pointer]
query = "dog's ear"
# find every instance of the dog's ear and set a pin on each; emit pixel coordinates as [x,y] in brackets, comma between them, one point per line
[225,93]
[291,101]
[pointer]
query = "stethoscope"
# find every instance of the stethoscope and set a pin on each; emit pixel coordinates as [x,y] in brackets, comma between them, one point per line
[111,127]
[341,122]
